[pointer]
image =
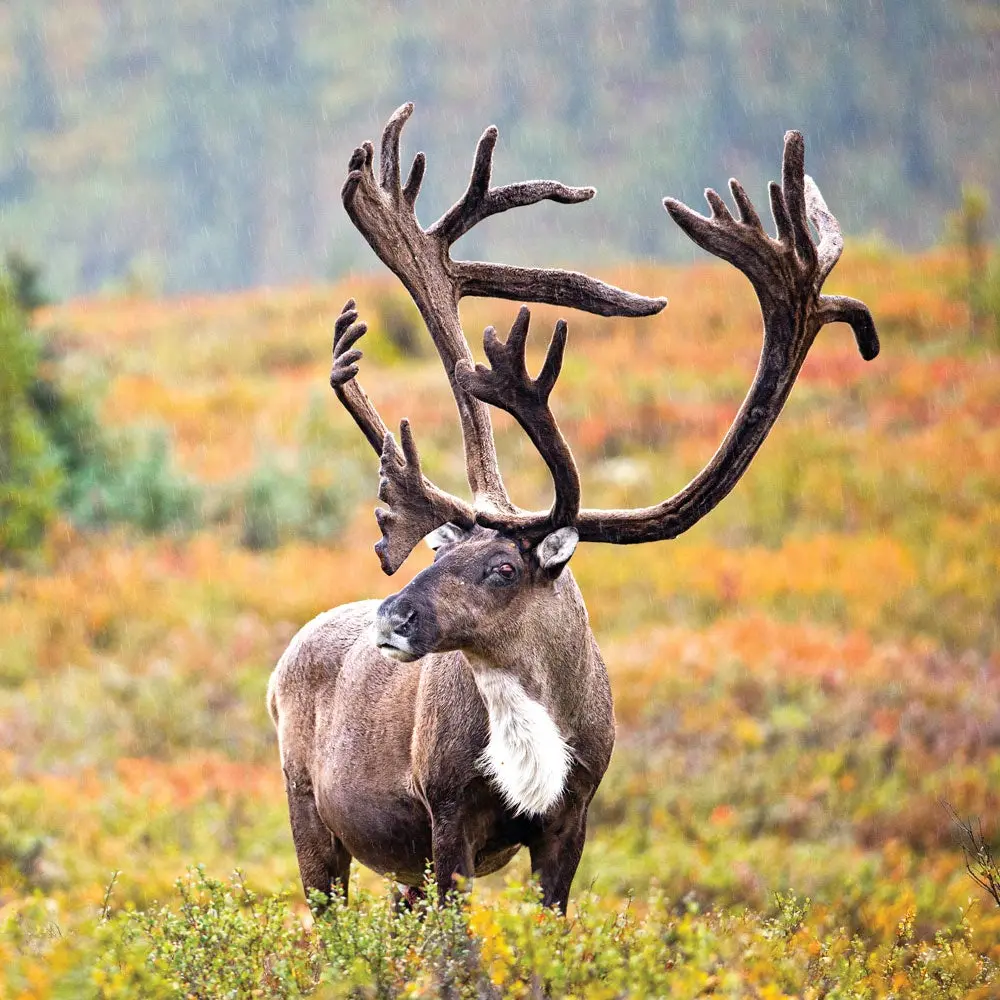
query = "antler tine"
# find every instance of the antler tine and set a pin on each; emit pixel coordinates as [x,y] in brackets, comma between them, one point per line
[481,201]
[507,385]
[853,312]
[415,505]
[793,194]
[831,242]
[358,167]
[455,222]
[552,286]
[342,376]
[414,179]
[787,274]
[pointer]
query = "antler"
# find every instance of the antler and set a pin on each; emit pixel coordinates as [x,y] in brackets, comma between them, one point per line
[508,386]
[415,505]
[787,274]
[383,211]
[346,333]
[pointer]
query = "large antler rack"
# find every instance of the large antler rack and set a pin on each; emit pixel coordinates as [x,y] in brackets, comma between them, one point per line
[786,272]
[383,211]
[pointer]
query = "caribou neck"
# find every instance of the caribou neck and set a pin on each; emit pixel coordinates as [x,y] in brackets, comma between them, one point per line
[549,654]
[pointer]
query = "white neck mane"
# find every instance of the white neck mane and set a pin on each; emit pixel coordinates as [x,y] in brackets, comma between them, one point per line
[526,759]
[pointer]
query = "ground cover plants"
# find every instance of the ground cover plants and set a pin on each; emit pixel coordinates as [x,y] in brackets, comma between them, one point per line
[807,684]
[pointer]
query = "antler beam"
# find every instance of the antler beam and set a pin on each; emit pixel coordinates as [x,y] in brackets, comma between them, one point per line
[787,273]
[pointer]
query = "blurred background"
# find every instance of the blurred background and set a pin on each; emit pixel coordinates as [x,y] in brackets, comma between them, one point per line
[807,683]
[201,146]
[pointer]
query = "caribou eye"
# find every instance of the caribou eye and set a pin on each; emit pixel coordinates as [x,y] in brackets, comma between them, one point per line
[505,571]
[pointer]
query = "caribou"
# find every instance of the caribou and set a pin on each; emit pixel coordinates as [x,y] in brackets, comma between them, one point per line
[470,714]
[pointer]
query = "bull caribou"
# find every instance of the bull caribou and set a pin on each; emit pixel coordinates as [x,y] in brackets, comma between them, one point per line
[470,714]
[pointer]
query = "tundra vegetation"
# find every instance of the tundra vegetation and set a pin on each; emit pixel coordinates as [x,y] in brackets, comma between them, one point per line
[806,684]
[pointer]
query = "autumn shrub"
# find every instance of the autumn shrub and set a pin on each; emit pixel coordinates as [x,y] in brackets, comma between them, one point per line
[222,939]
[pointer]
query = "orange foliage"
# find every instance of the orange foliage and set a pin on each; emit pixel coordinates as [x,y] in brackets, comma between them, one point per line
[182,782]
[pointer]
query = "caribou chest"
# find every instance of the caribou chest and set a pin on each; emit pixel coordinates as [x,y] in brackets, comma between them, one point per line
[526,759]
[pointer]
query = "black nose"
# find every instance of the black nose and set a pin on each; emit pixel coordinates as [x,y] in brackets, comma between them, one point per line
[400,614]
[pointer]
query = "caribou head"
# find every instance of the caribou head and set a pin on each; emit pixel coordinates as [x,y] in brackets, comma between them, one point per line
[481,585]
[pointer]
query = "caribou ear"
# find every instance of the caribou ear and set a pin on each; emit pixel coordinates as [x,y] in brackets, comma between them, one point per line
[444,535]
[555,550]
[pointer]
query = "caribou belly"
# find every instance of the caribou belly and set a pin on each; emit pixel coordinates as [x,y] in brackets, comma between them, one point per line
[388,832]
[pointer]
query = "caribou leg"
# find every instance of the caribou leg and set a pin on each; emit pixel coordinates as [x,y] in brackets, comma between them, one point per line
[324,863]
[555,857]
[453,854]
[407,898]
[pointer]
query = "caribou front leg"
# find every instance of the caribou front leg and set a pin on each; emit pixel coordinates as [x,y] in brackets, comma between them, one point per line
[324,863]
[555,857]
[453,854]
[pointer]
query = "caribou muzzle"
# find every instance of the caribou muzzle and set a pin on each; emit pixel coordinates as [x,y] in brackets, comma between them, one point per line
[404,630]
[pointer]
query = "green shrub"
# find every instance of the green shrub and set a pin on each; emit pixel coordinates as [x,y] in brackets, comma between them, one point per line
[222,939]
[273,507]
[289,500]
[311,496]
[54,454]
[967,228]
[112,477]
[26,281]
[399,321]
[131,479]
[30,476]
[225,940]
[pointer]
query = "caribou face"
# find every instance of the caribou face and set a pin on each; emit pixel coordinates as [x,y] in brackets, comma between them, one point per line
[478,586]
